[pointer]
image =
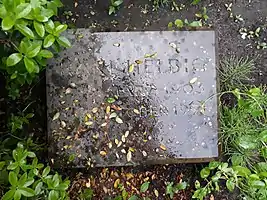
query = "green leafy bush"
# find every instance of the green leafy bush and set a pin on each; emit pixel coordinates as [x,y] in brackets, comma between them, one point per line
[244,126]
[29,37]
[28,178]
[251,183]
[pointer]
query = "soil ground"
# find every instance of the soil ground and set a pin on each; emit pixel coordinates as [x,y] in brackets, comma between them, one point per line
[138,15]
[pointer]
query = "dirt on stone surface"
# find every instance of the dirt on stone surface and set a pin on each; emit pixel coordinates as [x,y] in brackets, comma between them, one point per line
[138,15]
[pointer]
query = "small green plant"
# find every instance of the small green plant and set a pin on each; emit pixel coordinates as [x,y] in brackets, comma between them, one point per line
[235,73]
[114,6]
[252,184]
[28,38]
[86,194]
[243,126]
[172,189]
[178,23]
[195,2]
[202,15]
[17,122]
[28,178]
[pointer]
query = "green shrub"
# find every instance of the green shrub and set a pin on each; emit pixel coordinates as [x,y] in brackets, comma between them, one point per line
[29,37]
[26,177]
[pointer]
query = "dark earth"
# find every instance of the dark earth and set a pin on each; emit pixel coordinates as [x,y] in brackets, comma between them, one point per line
[138,15]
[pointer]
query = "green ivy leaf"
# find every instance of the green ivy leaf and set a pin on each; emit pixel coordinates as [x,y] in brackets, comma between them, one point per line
[200,193]
[22,180]
[23,45]
[236,160]
[52,6]
[205,172]
[28,182]
[8,22]
[144,186]
[30,65]
[2,164]
[38,188]
[117,3]
[63,41]
[33,50]
[62,187]
[23,10]
[261,167]
[49,26]
[55,180]
[46,171]
[59,29]
[195,2]
[53,195]
[242,171]
[58,3]
[179,23]
[196,24]
[47,12]
[247,142]
[9,5]
[255,91]
[263,136]
[3,12]
[12,178]
[25,30]
[49,40]
[14,75]
[39,28]
[134,197]
[257,184]
[13,166]
[9,195]
[13,59]
[181,186]
[124,194]
[27,192]
[41,18]
[111,10]
[45,54]
[35,3]
[17,195]
[111,100]
[197,184]
[31,154]
[170,25]
[213,165]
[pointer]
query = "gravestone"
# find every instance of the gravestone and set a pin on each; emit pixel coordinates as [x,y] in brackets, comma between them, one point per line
[129,98]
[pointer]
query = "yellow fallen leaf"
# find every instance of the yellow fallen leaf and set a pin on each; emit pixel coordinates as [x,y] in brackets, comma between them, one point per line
[116,183]
[131,68]
[193,80]
[56,116]
[94,110]
[129,176]
[129,156]
[108,109]
[136,111]
[138,62]
[89,123]
[103,153]
[163,147]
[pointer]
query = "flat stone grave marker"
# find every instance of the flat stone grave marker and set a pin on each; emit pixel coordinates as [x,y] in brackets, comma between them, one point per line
[129,98]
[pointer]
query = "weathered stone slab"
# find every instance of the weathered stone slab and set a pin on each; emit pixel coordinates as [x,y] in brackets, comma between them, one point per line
[165,108]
